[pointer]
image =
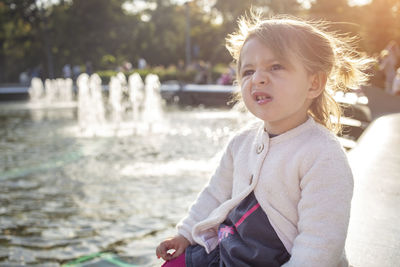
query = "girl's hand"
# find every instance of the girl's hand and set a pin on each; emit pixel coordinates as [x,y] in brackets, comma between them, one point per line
[177,243]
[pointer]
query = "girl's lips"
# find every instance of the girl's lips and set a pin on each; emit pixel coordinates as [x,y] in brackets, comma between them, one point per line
[261,97]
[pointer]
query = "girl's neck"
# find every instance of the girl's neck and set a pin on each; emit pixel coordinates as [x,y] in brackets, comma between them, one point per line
[277,128]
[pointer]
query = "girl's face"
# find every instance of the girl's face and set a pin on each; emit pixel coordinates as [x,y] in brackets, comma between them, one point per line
[272,90]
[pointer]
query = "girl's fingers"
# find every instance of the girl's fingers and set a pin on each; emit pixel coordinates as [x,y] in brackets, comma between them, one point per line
[176,244]
[168,256]
[159,252]
[162,250]
[178,252]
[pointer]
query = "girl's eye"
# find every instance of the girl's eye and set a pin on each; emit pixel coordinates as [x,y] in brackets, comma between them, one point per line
[277,67]
[247,73]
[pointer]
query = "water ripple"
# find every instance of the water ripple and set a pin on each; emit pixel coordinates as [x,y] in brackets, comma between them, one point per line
[63,196]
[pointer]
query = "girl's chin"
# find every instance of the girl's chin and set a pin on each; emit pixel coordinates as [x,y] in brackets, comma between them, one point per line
[264,117]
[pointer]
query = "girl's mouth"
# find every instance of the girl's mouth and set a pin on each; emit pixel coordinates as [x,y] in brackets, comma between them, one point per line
[261,97]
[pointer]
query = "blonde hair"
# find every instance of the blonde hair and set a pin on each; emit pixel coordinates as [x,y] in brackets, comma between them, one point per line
[318,49]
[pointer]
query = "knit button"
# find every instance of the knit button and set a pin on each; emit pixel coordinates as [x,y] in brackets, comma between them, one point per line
[251,179]
[260,148]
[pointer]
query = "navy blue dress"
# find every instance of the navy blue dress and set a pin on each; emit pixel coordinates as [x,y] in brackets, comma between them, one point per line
[246,238]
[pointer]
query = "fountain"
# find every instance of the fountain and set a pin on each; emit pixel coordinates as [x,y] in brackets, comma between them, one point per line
[131,110]
[96,91]
[74,186]
[54,94]
[36,90]
[58,91]
[136,94]
[65,89]
[152,113]
[84,102]
[132,105]
[115,99]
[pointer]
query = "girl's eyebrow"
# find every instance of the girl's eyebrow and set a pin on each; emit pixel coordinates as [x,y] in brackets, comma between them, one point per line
[247,66]
[268,61]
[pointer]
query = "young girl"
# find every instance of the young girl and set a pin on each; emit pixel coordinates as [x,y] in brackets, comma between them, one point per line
[281,194]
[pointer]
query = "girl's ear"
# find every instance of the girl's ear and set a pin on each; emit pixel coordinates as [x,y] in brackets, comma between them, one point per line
[318,83]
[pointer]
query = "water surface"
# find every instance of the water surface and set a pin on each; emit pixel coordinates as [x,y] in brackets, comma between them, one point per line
[64,195]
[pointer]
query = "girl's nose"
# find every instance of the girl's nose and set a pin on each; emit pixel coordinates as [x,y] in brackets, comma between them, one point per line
[260,77]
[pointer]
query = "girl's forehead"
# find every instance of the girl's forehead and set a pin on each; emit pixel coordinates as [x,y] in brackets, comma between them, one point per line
[254,45]
[260,49]
[255,48]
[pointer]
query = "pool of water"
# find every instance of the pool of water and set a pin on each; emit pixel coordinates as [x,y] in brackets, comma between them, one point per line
[64,195]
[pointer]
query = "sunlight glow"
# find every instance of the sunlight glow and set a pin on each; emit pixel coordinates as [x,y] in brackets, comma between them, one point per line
[307,3]
[359,2]
[138,6]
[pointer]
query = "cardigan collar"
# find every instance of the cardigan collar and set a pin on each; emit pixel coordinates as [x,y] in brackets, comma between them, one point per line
[263,137]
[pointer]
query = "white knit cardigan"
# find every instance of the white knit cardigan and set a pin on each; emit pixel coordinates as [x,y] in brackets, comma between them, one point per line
[302,181]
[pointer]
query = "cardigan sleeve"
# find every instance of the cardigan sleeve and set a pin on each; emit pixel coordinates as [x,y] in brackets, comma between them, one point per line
[217,191]
[323,211]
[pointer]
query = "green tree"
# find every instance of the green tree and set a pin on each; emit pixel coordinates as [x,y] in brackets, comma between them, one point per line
[165,34]
[87,30]
[20,38]
[33,35]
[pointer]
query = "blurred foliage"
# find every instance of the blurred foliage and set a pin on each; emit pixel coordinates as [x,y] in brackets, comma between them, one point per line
[40,37]
[165,74]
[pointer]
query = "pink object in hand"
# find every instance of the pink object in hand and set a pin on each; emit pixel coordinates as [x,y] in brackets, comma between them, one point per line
[177,262]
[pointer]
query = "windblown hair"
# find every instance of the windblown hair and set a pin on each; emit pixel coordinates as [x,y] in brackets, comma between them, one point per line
[319,51]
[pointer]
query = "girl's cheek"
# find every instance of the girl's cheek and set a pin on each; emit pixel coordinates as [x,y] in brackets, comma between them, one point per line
[244,83]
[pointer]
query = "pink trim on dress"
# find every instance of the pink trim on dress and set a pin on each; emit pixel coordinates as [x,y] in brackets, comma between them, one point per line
[247,214]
